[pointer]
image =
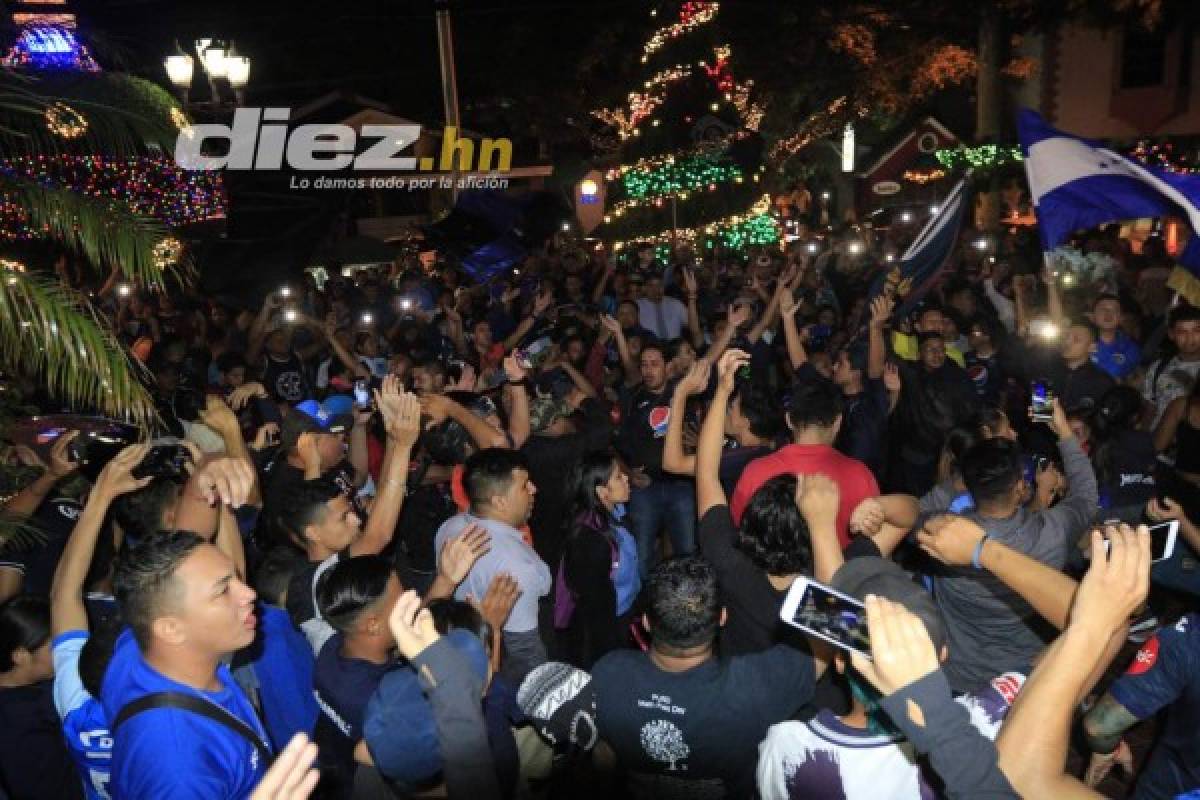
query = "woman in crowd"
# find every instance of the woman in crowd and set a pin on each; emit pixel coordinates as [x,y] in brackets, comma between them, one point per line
[598,578]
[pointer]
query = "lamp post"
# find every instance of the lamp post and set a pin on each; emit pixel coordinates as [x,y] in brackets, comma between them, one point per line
[218,62]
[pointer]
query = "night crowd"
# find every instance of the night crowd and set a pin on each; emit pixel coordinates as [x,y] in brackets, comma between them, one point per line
[411,534]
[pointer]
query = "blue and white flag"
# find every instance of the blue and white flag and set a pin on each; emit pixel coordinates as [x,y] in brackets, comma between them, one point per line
[924,263]
[1077,184]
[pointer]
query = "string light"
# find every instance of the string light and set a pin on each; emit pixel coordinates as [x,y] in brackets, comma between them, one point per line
[700,172]
[64,121]
[1162,155]
[922,178]
[150,185]
[692,15]
[751,227]
[985,156]
[167,252]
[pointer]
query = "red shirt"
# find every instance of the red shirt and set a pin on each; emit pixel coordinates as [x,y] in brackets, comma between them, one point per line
[855,482]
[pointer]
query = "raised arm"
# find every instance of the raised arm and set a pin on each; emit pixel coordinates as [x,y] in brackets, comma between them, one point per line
[540,304]
[881,312]
[695,381]
[1080,502]
[1033,741]
[797,355]
[692,292]
[817,497]
[518,402]
[219,416]
[735,317]
[959,542]
[259,329]
[632,374]
[440,408]
[67,611]
[402,417]
[27,501]
[709,491]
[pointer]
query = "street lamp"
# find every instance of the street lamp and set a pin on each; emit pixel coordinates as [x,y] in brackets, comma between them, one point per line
[216,60]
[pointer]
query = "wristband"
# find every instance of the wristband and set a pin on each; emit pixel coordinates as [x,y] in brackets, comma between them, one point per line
[979,551]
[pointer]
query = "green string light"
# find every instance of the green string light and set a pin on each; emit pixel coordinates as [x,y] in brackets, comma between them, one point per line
[686,175]
[985,156]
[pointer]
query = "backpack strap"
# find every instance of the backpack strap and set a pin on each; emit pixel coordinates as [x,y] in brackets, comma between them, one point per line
[195,705]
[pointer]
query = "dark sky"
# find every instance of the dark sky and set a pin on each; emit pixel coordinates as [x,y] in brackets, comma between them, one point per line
[386,49]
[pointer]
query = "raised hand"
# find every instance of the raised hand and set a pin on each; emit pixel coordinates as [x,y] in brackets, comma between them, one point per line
[881,310]
[267,435]
[117,479]
[951,540]
[696,379]
[818,499]
[689,283]
[1116,586]
[220,417]
[901,650]
[738,315]
[460,553]
[513,370]
[411,625]
[227,480]
[729,365]
[61,465]
[401,412]
[891,377]
[240,396]
[610,324]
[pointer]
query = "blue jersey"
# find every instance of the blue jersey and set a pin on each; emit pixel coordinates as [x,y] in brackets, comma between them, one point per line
[1118,358]
[85,725]
[168,752]
[1166,673]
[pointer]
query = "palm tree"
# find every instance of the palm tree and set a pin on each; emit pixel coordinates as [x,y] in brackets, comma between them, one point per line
[49,330]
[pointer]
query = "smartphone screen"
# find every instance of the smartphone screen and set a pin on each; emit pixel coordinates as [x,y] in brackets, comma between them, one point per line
[1162,540]
[828,614]
[362,394]
[1041,401]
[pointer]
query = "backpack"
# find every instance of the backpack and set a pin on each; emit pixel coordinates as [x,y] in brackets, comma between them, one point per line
[627,582]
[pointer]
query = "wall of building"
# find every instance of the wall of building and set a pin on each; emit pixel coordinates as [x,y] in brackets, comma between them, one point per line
[1077,87]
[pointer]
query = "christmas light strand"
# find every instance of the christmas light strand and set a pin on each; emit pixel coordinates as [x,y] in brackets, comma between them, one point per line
[753,226]
[692,15]
[985,156]
[151,186]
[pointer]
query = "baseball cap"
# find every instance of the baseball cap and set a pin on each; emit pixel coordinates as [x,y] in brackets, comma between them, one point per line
[561,702]
[318,418]
[860,577]
[545,409]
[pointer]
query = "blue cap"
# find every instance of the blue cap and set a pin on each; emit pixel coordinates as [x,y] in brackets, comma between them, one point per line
[323,419]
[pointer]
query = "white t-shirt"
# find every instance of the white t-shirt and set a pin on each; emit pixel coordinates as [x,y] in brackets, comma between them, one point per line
[1174,380]
[826,758]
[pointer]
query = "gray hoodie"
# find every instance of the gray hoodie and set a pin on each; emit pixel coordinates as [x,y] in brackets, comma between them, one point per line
[990,629]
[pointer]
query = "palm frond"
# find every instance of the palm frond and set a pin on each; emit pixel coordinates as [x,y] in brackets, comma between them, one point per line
[105,231]
[52,331]
[18,534]
[125,116]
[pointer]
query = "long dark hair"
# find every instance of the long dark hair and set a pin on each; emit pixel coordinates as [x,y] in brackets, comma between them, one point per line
[585,511]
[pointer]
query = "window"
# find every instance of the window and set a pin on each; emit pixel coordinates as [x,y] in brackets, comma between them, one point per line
[1143,58]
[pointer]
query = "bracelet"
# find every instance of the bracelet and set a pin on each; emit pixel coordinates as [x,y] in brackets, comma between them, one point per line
[979,551]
